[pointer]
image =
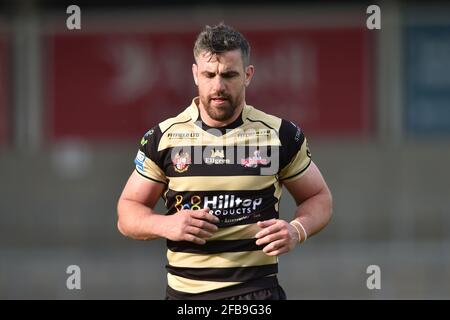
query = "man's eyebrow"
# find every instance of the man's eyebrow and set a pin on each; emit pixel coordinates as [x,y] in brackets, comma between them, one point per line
[229,72]
[226,73]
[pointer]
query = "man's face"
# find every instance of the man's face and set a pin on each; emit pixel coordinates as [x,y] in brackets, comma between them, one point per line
[221,80]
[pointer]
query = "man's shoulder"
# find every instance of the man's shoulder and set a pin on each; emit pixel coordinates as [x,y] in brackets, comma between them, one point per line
[266,119]
[286,129]
[183,117]
[155,133]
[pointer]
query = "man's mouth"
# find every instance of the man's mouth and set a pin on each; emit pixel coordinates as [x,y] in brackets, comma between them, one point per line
[218,100]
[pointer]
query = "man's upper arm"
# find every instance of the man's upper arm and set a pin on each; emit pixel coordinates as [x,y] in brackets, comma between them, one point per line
[294,154]
[148,181]
[149,162]
[308,185]
[142,190]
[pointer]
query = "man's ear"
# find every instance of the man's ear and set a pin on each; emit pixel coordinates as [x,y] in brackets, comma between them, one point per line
[249,71]
[194,73]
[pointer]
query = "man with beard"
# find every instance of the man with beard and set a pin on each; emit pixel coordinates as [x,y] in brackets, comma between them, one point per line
[220,166]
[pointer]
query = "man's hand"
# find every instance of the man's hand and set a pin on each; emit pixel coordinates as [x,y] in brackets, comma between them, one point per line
[278,236]
[190,225]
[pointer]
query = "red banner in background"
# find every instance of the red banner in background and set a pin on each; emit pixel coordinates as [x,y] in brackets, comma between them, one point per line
[4,91]
[113,86]
[319,78]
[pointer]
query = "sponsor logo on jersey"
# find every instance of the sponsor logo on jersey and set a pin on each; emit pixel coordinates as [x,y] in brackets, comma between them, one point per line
[217,157]
[139,160]
[183,135]
[298,133]
[255,161]
[219,205]
[251,133]
[181,161]
[144,139]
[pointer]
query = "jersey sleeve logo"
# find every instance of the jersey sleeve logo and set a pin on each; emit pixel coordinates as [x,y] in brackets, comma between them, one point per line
[144,139]
[298,133]
[140,159]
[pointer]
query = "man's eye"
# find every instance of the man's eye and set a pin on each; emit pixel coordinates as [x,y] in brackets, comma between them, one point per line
[228,75]
[210,75]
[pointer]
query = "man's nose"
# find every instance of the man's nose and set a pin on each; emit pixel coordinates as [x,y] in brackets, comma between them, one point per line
[218,84]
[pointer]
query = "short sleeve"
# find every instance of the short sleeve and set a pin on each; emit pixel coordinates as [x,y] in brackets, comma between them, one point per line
[147,161]
[295,157]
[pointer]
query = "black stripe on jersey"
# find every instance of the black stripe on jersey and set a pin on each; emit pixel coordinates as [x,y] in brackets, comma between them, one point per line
[238,274]
[261,122]
[215,246]
[175,124]
[150,148]
[149,177]
[238,220]
[291,138]
[245,287]
[220,199]
[300,172]
[230,221]
[228,206]
[241,163]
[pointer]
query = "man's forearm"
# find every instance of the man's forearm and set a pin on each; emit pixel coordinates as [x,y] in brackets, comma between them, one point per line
[138,221]
[315,212]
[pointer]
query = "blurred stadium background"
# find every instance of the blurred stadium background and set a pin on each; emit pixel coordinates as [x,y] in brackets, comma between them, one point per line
[375,105]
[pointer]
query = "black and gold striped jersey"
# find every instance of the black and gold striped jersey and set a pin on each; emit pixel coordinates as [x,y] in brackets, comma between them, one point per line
[237,172]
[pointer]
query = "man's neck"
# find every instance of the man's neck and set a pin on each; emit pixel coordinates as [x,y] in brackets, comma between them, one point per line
[217,124]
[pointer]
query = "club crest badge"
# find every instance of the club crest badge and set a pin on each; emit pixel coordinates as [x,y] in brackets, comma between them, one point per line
[181,161]
[255,161]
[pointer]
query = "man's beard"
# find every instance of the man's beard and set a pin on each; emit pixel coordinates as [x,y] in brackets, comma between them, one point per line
[222,112]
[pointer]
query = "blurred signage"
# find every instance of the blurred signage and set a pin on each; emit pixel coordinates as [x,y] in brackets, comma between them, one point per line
[428,79]
[113,86]
[4,91]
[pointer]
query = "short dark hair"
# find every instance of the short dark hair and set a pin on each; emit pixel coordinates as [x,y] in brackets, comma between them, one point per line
[222,38]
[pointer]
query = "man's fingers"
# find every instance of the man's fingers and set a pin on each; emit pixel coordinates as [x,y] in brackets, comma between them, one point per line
[278,252]
[204,215]
[275,245]
[194,239]
[266,223]
[198,232]
[204,225]
[269,238]
[272,228]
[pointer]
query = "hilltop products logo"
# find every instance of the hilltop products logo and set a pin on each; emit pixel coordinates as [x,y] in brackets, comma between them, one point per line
[220,205]
[181,161]
[255,161]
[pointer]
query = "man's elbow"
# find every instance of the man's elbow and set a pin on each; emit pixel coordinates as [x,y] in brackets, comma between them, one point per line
[120,228]
[121,225]
[329,201]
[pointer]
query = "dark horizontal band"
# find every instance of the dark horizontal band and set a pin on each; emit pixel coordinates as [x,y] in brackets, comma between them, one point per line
[149,177]
[215,246]
[243,288]
[300,172]
[236,274]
